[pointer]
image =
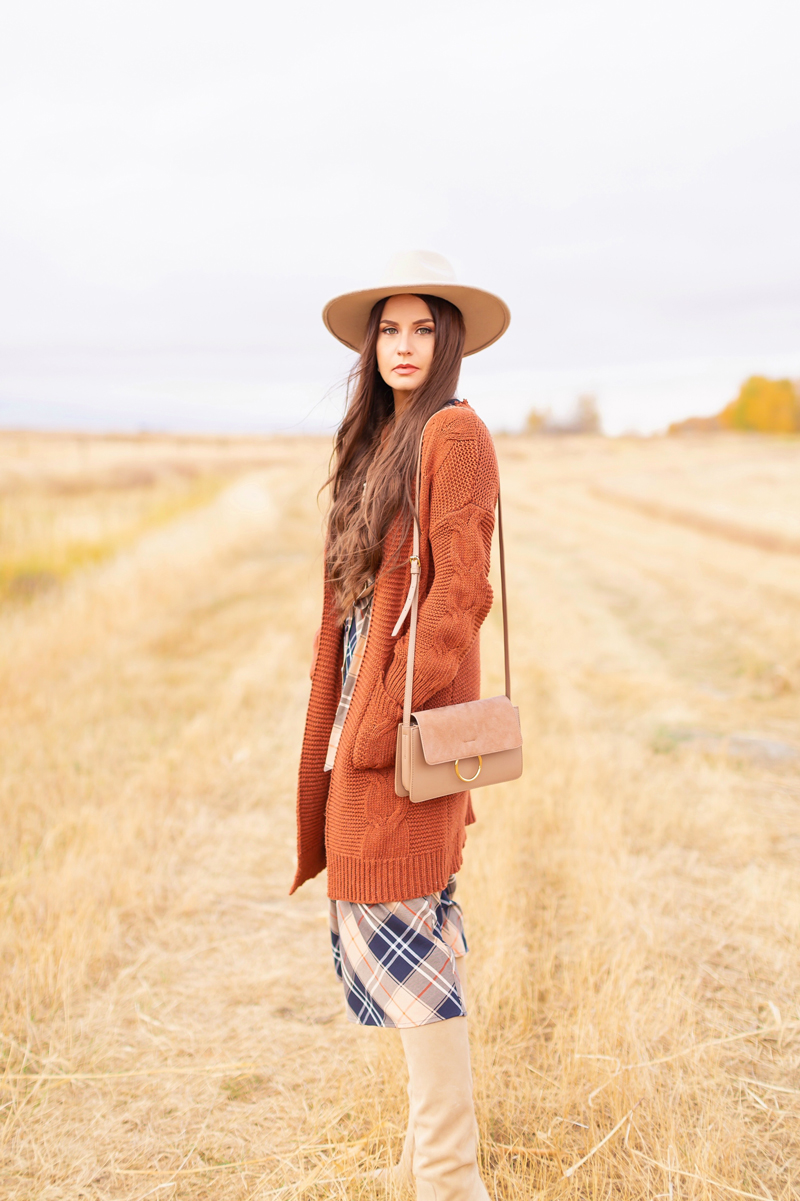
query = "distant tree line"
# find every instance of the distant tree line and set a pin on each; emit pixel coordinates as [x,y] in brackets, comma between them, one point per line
[765,406]
[585,419]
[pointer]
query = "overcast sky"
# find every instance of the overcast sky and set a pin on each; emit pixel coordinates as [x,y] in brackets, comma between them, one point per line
[185,185]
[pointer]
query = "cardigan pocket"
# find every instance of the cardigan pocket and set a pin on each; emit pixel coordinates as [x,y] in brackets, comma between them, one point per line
[375,742]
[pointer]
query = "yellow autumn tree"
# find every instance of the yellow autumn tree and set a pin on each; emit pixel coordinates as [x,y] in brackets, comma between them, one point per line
[769,406]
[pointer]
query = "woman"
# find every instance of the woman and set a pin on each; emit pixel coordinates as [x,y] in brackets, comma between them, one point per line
[397,932]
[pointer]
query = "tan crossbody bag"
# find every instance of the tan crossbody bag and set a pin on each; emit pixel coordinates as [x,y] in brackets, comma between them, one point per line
[442,751]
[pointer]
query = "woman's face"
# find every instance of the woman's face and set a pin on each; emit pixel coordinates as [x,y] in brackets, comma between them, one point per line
[406,338]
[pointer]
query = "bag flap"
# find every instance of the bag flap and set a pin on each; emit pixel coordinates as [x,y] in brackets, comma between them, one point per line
[464,731]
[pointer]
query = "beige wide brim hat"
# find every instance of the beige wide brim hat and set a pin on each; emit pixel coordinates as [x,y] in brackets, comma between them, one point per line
[486,316]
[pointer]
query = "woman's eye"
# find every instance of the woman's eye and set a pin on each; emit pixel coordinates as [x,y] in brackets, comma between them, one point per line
[390,329]
[424,329]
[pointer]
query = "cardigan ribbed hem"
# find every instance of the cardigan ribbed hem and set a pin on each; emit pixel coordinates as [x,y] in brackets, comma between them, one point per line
[370,881]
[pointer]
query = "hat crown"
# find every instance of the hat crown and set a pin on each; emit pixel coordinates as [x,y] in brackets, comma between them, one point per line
[412,267]
[425,273]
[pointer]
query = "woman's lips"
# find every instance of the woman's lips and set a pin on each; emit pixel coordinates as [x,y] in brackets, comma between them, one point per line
[405,369]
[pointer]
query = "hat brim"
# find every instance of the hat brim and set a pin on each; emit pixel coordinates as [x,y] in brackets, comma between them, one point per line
[486,316]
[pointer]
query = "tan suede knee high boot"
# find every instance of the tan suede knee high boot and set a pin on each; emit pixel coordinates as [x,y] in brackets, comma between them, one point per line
[442,1111]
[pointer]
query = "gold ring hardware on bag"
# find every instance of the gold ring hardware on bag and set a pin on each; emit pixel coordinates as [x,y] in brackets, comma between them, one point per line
[469,779]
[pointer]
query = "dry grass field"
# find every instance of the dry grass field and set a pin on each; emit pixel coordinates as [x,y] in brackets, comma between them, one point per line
[171,1024]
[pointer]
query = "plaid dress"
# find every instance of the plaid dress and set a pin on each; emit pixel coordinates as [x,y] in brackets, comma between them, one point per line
[397,961]
[356,629]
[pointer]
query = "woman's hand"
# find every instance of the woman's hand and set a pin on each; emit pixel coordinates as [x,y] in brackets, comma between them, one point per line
[314,653]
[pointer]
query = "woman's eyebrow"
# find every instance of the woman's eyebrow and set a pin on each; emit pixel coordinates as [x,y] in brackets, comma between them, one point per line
[423,321]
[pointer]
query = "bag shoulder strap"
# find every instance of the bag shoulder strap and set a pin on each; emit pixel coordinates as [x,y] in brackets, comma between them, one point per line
[412,600]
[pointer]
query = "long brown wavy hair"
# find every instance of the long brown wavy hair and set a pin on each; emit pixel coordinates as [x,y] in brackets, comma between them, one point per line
[372,478]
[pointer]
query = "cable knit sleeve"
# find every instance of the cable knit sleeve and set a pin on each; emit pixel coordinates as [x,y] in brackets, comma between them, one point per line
[463,482]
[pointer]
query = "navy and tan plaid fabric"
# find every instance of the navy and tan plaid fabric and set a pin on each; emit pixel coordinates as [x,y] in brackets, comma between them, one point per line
[354,637]
[397,961]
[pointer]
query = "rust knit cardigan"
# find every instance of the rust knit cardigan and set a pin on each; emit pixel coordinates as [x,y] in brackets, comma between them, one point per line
[378,846]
